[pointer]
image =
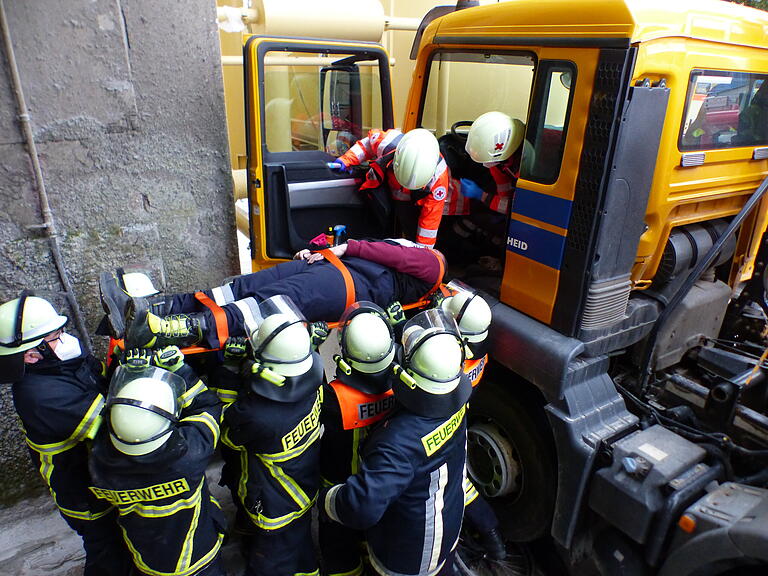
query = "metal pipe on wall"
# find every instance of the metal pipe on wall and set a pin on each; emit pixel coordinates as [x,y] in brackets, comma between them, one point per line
[48,223]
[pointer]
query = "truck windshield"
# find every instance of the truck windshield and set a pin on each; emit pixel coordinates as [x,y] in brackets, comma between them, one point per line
[319,101]
[463,85]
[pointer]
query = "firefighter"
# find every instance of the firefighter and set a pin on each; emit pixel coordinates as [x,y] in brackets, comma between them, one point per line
[150,461]
[58,392]
[275,426]
[473,318]
[359,396]
[408,494]
[379,271]
[412,168]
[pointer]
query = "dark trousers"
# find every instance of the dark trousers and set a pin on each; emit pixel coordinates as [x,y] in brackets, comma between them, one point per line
[317,289]
[340,548]
[105,551]
[479,515]
[283,552]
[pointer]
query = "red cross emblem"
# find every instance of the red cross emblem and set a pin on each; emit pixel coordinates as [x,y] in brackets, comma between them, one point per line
[499,145]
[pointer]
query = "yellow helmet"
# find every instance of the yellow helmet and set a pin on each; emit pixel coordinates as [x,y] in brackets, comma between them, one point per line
[416,158]
[25,321]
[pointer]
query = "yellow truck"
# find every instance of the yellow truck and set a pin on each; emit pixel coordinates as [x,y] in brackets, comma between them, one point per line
[624,410]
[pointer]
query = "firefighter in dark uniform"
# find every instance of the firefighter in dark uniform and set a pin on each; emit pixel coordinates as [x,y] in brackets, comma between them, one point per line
[380,272]
[275,426]
[58,392]
[473,318]
[150,461]
[359,396]
[408,494]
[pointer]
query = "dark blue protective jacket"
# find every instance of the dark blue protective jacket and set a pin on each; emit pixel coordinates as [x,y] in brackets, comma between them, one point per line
[408,493]
[171,522]
[59,406]
[279,448]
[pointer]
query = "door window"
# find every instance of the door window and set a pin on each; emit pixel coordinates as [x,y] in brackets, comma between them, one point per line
[319,101]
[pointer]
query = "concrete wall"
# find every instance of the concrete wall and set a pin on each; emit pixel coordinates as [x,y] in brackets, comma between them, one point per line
[126,103]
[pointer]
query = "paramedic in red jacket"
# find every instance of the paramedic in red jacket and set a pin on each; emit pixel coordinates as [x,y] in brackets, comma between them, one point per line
[415,172]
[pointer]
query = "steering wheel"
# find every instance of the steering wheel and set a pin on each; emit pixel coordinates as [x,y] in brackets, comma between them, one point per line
[460,124]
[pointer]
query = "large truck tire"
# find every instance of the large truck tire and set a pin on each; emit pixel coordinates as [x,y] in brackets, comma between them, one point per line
[511,461]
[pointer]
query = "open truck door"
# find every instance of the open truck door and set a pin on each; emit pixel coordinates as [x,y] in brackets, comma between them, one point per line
[308,101]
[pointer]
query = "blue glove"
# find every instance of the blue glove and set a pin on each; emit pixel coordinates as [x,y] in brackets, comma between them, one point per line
[339,166]
[469,189]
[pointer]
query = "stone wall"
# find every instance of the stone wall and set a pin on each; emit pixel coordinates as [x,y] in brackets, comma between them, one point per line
[126,104]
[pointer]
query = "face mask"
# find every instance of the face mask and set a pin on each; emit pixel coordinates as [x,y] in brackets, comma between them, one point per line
[68,347]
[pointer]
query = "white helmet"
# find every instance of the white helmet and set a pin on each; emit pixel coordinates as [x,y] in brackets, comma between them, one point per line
[434,383]
[366,338]
[25,321]
[469,309]
[494,137]
[281,341]
[138,285]
[143,408]
[416,158]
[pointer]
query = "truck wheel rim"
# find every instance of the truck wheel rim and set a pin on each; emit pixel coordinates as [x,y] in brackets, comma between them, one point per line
[492,463]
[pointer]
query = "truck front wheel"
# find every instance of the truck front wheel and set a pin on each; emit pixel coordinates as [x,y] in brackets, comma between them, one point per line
[511,461]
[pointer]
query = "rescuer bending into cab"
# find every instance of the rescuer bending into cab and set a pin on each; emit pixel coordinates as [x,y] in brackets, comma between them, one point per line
[413,172]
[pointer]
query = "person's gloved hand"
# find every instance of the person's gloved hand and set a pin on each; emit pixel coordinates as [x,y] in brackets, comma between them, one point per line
[436,299]
[170,358]
[235,349]
[470,189]
[395,314]
[137,358]
[339,166]
[318,333]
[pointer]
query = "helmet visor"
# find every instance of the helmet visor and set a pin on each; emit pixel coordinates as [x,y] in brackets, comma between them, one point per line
[275,315]
[125,378]
[426,325]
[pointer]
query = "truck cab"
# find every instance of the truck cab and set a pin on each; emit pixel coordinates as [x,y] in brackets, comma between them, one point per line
[624,409]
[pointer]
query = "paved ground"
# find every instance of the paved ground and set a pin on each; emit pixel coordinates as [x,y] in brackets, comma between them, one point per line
[35,541]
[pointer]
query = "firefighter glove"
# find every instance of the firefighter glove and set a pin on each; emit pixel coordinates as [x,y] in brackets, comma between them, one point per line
[395,314]
[170,358]
[137,358]
[235,349]
[318,333]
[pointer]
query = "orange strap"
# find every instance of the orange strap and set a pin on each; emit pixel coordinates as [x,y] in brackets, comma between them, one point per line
[359,409]
[349,284]
[222,327]
[439,277]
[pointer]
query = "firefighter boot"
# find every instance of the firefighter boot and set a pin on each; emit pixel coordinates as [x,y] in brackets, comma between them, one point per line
[115,295]
[147,330]
[493,544]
